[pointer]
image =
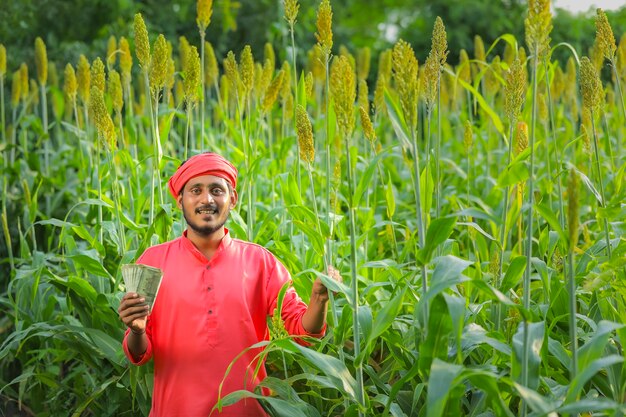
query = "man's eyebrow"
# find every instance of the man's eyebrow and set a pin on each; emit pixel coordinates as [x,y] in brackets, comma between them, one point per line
[210,184]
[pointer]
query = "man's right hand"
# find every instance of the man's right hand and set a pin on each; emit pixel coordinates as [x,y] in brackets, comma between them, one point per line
[134,312]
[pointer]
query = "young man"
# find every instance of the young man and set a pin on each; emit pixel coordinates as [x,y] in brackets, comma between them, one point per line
[213,301]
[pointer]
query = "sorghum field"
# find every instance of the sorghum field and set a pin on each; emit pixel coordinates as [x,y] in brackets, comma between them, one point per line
[476,212]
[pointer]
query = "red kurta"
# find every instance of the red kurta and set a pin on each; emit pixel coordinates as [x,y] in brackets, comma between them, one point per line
[205,314]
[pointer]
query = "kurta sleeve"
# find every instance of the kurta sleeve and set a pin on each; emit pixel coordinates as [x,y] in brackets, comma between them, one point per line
[293,306]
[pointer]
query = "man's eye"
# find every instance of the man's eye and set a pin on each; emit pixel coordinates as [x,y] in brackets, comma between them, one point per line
[195,191]
[217,191]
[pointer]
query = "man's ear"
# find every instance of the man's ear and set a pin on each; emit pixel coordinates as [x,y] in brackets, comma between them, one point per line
[179,200]
[233,198]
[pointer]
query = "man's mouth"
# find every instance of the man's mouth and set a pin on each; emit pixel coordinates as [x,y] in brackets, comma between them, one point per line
[206,210]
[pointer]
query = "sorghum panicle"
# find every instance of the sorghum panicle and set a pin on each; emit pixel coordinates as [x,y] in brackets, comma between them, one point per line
[41,61]
[305,135]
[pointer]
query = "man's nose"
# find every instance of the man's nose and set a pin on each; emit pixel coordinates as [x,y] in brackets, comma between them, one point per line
[207,196]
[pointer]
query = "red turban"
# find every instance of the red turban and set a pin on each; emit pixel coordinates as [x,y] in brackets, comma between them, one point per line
[203,164]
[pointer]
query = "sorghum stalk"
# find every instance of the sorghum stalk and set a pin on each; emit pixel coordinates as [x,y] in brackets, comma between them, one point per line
[606,41]
[557,151]
[324,36]
[291,14]
[440,49]
[538,25]
[514,98]
[205,10]
[3,70]
[573,221]
[41,62]
[591,89]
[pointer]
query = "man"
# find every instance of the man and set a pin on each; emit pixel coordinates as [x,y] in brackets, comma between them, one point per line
[213,301]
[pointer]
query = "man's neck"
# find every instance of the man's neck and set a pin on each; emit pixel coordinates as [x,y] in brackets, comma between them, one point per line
[207,245]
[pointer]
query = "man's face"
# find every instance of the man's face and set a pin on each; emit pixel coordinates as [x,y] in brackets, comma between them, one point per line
[206,202]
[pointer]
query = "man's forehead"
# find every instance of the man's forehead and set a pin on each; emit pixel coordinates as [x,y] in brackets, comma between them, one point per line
[206,180]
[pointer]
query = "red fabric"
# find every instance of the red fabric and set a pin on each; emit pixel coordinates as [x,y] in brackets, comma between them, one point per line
[207,313]
[207,163]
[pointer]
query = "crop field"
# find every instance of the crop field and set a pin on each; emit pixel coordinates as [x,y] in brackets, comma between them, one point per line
[476,211]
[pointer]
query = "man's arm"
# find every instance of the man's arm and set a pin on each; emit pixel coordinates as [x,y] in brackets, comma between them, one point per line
[134,314]
[314,318]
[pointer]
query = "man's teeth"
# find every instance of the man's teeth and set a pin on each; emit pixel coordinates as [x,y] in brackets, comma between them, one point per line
[208,211]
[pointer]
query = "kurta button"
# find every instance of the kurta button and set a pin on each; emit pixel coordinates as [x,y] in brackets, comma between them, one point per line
[209,288]
[208,267]
[210,311]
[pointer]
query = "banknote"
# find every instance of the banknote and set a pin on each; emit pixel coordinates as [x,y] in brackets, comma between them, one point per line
[144,280]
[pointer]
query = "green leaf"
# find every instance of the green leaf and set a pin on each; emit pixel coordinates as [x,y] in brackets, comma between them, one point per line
[91,265]
[390,198]
[438,231]
[536,334]
[586,374]
[513,273]
[397,121]
[440,382]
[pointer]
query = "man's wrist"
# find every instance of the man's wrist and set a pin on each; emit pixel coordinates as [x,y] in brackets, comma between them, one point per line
[138,333]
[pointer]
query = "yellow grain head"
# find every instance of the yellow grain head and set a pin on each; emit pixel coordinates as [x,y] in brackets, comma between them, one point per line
[16,86]
[590,85]
[621,56]
[291,11]
[269,54]
[308,85]
[538,25]
[439,46]
[316,62]
[24,81]
[343,92]
[363,100]
[267,72]
[430,80]
[111,52]
[405,74]
[247,69]
[170,72]
[463,70]
[115,91]
[509,53]
[3,60]
[231,69]
[343,51]
[70,86]
[558,84]
[34,96]
[604,36]
[324,34]
[305,135]
[179,93]
[491,78]
[191,80]
[142,43]
[183,52]
[366,125]
[41,61]
[158,65]
[53,76]
[479,49]
[382,80]
[205,10]
[521,137]
[573,221]
[126,60]
[97,74]
[363,59]
[596,56]
[83,77]
[258,86]
[211,70]
[494,262]
[271,94]
[514,90]
[101,117]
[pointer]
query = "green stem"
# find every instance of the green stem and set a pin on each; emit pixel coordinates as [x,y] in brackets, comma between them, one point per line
[621,102]
[600,184]
[360,394]
[186,150]
[557,149]
[437,151]
[202,37]
[295,94]
[529,236]
[572,316]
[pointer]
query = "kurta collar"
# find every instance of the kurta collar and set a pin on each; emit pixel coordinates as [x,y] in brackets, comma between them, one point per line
[224,243]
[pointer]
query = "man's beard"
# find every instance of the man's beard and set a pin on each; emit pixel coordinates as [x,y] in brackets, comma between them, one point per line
[205,230]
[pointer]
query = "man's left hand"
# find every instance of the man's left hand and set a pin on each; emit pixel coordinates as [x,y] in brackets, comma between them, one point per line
[319,289]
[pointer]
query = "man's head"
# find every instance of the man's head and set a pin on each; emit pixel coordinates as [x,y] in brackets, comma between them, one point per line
[204,188]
